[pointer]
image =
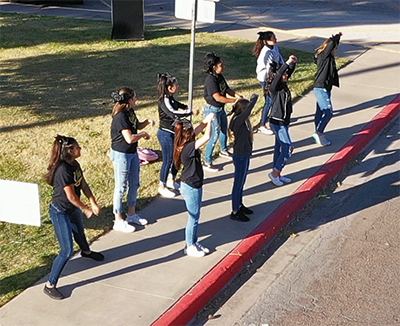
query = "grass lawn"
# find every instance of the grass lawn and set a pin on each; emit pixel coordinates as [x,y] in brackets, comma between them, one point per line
[56,78]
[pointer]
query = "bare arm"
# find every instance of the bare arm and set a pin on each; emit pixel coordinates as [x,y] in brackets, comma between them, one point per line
[74,199]
[207,122]
[88,193]
[131,138]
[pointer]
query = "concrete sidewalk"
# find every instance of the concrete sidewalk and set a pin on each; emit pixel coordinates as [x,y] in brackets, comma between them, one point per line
[145,273]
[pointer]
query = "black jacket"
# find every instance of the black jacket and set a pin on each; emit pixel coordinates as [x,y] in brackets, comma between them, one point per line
[168,110]
[279,92]
[327,74]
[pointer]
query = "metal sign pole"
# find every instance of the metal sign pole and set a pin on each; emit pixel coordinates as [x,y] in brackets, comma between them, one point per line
[191,60]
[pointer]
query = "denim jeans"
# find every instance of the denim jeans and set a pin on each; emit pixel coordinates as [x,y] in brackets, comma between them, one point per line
[66,226]
[283,144]
[126,174]
[192,197]
[324,110]
[241,163]
[166,140]
[267,107]
[219,131]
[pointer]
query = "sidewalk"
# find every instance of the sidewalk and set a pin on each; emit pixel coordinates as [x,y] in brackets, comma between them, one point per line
[145,273]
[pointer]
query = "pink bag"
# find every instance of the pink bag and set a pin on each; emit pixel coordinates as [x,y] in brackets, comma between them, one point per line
[146,155]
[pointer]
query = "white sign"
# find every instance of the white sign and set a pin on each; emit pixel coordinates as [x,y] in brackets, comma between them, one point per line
[19,203]
[205,10]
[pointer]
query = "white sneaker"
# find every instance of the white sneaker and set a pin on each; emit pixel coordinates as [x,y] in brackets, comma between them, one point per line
[173,185]
[285,179]
[203,249]
[165,192]
[123,226]
[226,155]
[265,130]
[194,251]
[275,180]
[210,167]
[321,139]
[136,219]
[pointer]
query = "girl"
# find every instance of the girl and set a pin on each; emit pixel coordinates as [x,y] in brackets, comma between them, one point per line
[66,177]
[242,148]
[266,51]
[215,90]
[124,140]
[280,118]
[326,77]
[168,111]
[186,152]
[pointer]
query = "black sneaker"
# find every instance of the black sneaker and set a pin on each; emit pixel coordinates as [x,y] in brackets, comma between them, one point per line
[53,293]
[239,216]
[94,255]
[245,210]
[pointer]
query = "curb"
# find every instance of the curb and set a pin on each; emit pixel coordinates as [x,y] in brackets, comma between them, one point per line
[186,307]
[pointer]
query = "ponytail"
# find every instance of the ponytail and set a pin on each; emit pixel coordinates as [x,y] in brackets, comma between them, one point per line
[164,81]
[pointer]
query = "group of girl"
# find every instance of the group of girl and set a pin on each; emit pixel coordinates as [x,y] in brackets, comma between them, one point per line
[180,147]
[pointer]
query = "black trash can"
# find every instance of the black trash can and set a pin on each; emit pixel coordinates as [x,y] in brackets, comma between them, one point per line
[127,20]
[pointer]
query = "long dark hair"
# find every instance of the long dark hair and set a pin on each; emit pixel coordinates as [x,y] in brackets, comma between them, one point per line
[164,81]
[263,37]
[183,136]
[61,151]
[239,107]
[211,60]
[121,99]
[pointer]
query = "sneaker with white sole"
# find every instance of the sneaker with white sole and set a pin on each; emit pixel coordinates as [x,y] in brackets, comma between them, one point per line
[136,219]
[165,192]
[194,251]
[321,139]
[265,131]
[123,226]
[285,179]
[275,180]
[210,167]
[173,184]
[226,155]
[204,249]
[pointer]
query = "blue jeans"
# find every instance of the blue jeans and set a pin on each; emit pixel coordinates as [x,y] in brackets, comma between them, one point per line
[241,163]
[267,107]
[126,174]
[324,111]
[166,140]
[219,131]
[192,197]
[283,144]
[66,226]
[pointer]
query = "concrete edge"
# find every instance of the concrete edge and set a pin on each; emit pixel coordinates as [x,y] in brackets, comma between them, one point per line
[186,308]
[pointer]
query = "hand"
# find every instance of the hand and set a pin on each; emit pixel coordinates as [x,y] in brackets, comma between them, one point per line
[253,96]
[88,212]
[145,135]
[210,117]
[195,111]
[292,59]
[96,209]
[151,122]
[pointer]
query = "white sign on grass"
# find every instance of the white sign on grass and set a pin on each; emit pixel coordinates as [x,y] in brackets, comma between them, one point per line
[19,203]
[205,10]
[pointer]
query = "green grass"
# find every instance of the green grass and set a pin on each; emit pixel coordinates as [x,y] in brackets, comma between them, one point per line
[56,78]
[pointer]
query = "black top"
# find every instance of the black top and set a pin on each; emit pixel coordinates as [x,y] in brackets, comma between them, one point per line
[192,173]
[215,84]
[168,111]
[279,91]
[327,74]
[123,120]
[66,174]
[242,144]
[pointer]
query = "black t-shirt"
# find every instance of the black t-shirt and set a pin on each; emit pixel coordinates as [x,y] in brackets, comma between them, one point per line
[192,173]
[66,174]
[215,84]
[123,120]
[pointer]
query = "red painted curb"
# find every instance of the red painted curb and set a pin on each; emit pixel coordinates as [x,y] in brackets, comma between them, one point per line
[186,308]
